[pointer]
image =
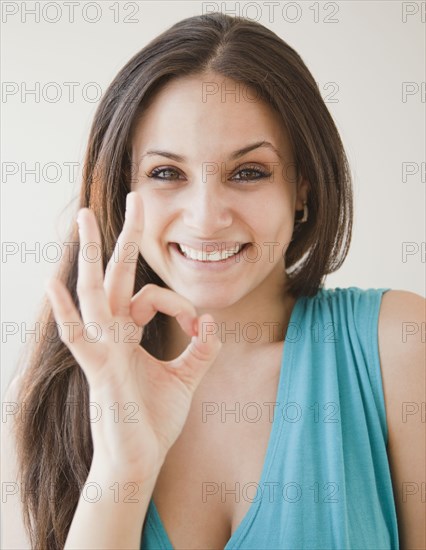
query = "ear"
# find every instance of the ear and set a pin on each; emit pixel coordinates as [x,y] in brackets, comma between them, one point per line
[303,189]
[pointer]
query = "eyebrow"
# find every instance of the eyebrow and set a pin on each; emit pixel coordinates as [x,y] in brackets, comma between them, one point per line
[235,155]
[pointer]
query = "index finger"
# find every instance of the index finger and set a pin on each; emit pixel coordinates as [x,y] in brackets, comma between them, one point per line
[152,298]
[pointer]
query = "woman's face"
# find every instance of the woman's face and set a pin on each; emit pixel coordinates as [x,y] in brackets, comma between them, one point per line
[198,192]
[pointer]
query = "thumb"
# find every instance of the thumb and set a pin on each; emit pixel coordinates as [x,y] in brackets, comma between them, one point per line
[193,363]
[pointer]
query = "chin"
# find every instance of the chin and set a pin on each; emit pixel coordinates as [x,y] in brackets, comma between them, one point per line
[206,300]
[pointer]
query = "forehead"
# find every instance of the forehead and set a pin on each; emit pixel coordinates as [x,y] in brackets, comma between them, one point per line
[208,112]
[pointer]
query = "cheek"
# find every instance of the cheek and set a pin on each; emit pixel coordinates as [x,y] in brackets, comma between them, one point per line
[274,219]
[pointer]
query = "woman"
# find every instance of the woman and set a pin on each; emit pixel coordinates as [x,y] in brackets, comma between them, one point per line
[214,156]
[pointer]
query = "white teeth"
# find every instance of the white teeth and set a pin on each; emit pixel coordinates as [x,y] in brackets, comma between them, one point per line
[204,256]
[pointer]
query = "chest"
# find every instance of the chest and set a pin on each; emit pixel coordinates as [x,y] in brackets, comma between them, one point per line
[208,481]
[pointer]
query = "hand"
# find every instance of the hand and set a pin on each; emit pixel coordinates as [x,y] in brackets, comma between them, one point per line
[124,379]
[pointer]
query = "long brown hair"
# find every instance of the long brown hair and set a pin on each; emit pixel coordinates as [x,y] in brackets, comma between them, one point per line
[53,440]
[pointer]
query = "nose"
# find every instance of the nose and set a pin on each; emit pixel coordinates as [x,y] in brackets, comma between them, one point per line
[208,208]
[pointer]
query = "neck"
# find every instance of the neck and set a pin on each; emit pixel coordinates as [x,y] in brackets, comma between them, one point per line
[253,324]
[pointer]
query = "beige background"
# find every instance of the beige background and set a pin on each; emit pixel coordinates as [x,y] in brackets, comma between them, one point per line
[364,58]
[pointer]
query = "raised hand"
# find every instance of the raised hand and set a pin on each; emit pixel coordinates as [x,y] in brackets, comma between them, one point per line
[144,402]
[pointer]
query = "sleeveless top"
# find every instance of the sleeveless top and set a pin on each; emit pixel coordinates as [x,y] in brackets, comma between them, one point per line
[326,481]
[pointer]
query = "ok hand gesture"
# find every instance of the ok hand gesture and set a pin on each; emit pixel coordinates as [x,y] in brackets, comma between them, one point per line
[118,370]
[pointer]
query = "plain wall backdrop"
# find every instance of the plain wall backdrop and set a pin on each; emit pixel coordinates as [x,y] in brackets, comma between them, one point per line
[367,57]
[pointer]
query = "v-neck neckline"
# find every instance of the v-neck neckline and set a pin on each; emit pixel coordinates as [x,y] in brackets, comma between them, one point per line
[286,361]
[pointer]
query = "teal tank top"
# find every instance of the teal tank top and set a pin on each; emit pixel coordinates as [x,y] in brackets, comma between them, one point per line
[326,481]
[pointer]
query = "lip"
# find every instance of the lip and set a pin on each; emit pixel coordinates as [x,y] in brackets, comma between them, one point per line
[203,245]
[208,266]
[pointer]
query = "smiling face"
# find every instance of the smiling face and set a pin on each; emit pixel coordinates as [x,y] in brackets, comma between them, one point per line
[202,191]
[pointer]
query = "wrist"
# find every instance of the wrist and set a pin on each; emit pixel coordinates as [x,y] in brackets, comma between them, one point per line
[105,470]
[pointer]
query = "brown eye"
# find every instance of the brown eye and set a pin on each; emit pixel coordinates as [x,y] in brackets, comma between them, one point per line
[155,173]
[252,174]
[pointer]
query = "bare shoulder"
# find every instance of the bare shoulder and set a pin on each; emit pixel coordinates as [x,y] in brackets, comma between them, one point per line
[401,333]
[402,336]
[403,312]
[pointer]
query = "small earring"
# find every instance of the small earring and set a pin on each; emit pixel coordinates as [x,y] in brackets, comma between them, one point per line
[304,218]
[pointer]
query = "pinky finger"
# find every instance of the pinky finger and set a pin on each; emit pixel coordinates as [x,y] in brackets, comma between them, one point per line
[70,327]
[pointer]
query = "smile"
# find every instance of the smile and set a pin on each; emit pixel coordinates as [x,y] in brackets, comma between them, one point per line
[204,258]
[209,256]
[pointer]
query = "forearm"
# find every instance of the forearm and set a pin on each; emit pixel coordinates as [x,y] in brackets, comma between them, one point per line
[110,512]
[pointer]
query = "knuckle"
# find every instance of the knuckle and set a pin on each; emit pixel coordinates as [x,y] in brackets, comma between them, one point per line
[198,354]
[136,230]
[148,288]
[122,310]
[87,286]
[128,267]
